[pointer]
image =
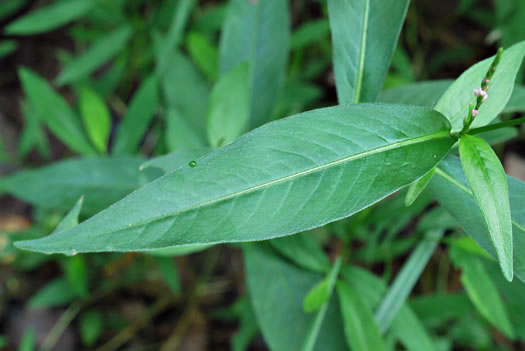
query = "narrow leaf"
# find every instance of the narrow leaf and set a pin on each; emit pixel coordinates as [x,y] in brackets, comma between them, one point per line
[451,189]
[55,112]
[90,326]
[229,106]
[309,33]
[96,118]
[101,51]
[311,340]
[364,35]
[417,187]
[454,103]
[174,35]
[482,291]
[285,177]
[321,293]
[488,182]
[49,18]
[405,326]
[257,32]
[405,280]
[141,111]
[56,293]
[204,53]
[361,330]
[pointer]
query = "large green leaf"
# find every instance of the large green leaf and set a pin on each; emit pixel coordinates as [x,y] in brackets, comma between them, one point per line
[364,35]
[55,112]
[488,183]
[103,181]
[277,290]
[257,32]
[285,177]
[138,117]
[49,18]
[454,104]
[101,51]
[450,188]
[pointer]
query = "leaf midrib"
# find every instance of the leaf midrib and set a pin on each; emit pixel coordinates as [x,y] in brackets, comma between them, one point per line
[362,52]
[393,146]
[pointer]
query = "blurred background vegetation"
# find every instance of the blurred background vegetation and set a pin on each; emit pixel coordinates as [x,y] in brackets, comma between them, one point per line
[103,59]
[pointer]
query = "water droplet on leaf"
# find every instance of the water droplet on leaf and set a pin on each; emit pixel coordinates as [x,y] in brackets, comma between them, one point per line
[193,164]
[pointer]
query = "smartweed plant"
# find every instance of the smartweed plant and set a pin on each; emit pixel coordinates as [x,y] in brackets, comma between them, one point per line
[230,170]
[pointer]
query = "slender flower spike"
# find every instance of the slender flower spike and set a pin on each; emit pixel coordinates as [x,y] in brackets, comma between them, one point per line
[477,91]
[474,113]
[485,97]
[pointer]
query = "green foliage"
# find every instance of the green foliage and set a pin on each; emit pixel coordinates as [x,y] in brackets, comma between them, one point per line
[488,182]
[229,106]
[179,95]
[314,157]
[363,46]
[361,330]
[257,32]
[96,118]
[95,56]
[55,112]
[49,18]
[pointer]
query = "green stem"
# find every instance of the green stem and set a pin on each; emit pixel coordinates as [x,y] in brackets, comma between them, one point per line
[512,122]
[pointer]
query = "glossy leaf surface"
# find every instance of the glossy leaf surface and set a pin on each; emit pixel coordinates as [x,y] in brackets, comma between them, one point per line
[288,176]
